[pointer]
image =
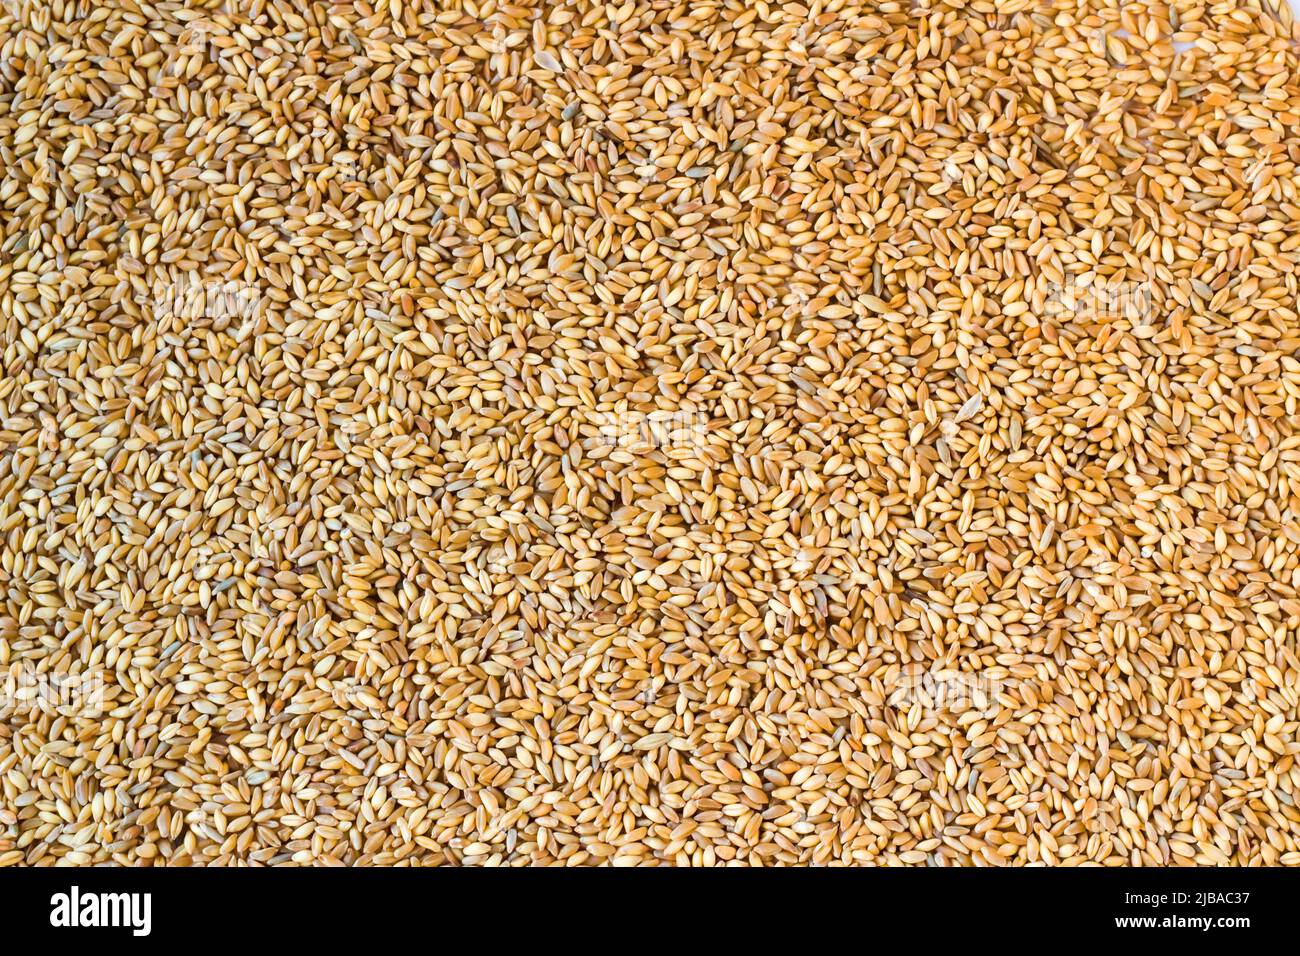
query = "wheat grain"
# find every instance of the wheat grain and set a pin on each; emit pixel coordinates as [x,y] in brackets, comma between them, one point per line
[699,434]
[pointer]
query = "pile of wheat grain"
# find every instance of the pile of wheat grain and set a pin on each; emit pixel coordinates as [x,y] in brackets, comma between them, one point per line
[676,431]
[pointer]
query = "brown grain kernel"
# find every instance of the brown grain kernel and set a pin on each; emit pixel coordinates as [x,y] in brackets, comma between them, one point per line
[711,433]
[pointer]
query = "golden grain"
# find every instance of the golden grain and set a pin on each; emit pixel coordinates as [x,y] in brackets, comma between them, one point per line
[694,433]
